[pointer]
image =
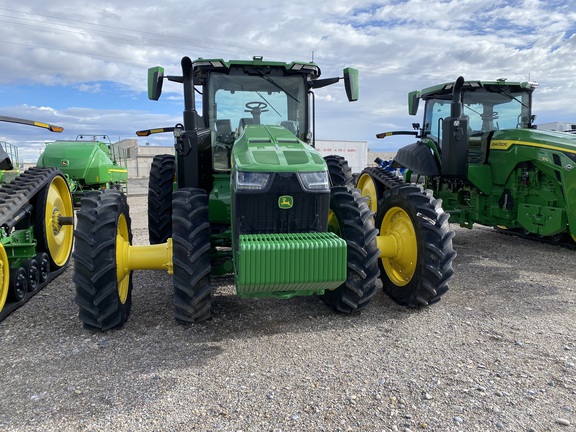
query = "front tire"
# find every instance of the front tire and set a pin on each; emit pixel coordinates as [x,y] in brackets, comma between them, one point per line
[103,291]
[191,256]
[160,198]
[351,219]
[418,274]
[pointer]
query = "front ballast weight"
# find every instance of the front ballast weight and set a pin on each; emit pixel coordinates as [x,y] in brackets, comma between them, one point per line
[414,272]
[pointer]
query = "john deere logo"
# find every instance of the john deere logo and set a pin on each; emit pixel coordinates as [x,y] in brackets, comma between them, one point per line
[285,202]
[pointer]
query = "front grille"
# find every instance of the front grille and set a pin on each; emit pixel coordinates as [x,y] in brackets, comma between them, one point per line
[259,212]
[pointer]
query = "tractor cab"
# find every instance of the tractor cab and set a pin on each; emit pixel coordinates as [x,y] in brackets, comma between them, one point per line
[479,151]
[460,119]
[236,95]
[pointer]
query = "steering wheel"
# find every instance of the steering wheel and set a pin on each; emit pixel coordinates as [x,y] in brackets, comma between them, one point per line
[255,106]
[490,116]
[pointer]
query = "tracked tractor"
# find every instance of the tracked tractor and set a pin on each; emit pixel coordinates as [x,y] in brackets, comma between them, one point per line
[36,227]
[478,150]
[90,162]
[246,193]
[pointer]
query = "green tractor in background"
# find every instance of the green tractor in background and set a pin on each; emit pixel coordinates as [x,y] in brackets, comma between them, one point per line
[247,193]
[36,226]
[479,152]
[90,162]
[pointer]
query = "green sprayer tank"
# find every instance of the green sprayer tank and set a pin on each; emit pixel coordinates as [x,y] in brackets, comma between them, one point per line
[88,164]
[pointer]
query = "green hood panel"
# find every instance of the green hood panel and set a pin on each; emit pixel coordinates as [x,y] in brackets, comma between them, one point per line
[269,148]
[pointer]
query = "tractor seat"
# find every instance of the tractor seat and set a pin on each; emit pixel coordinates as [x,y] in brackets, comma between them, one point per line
[223,127]
[291,125]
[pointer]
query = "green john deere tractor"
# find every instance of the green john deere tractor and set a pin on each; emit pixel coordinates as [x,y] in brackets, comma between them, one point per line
[36,225]
[479,152]
[90,162]
[246,193]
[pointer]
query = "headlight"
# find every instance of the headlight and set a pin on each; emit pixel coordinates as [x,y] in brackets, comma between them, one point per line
[314,181]
[251,180]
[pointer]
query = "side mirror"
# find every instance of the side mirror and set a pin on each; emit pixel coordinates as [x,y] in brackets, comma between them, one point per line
[351,83]
[413,101]
[155,78]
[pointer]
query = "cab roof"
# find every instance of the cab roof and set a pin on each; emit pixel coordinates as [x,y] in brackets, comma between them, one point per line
[219,65]
[446,88]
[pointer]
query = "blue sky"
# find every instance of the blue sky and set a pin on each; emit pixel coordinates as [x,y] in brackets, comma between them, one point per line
[83,65]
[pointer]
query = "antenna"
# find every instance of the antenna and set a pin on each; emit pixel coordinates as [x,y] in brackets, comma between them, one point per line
[312,56]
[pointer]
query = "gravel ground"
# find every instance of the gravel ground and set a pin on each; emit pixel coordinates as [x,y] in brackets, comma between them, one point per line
[497,353]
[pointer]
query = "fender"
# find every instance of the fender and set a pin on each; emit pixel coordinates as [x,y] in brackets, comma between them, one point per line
[418,158]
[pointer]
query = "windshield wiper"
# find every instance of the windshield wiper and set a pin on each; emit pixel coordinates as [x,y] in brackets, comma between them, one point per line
[511,96]
[275,84]
[269,104]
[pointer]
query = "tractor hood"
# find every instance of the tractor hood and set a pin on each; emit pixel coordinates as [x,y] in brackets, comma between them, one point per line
[560,141]
[269,148]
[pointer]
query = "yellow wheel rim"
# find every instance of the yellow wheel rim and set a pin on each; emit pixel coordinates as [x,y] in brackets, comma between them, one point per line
[368,189]
[58,237]
[122,270]
[333,224]
[401,267]
[4,276]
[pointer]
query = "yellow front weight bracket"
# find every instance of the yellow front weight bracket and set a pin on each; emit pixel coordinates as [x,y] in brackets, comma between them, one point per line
[147,257]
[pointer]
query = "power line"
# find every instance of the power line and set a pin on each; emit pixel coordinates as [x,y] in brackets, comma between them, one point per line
[139,38]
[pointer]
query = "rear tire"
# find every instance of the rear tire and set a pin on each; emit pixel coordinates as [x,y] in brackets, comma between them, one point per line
[103,296]
[160,198]
[191,256]
[351,219]
[339,171]
[419,274]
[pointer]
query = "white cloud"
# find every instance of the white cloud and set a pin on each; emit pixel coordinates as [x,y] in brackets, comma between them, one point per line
[398,45]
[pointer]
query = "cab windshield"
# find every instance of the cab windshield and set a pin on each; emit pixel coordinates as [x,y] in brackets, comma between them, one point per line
[486,109]
[237,101]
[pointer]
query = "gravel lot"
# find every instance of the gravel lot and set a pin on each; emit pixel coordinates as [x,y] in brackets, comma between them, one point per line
[497,353]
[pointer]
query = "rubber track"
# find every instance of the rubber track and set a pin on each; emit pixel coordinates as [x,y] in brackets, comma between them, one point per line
[385,178]
[14,196]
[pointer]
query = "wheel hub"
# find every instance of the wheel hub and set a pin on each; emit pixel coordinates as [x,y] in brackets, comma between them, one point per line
[368,190]
[400,265]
